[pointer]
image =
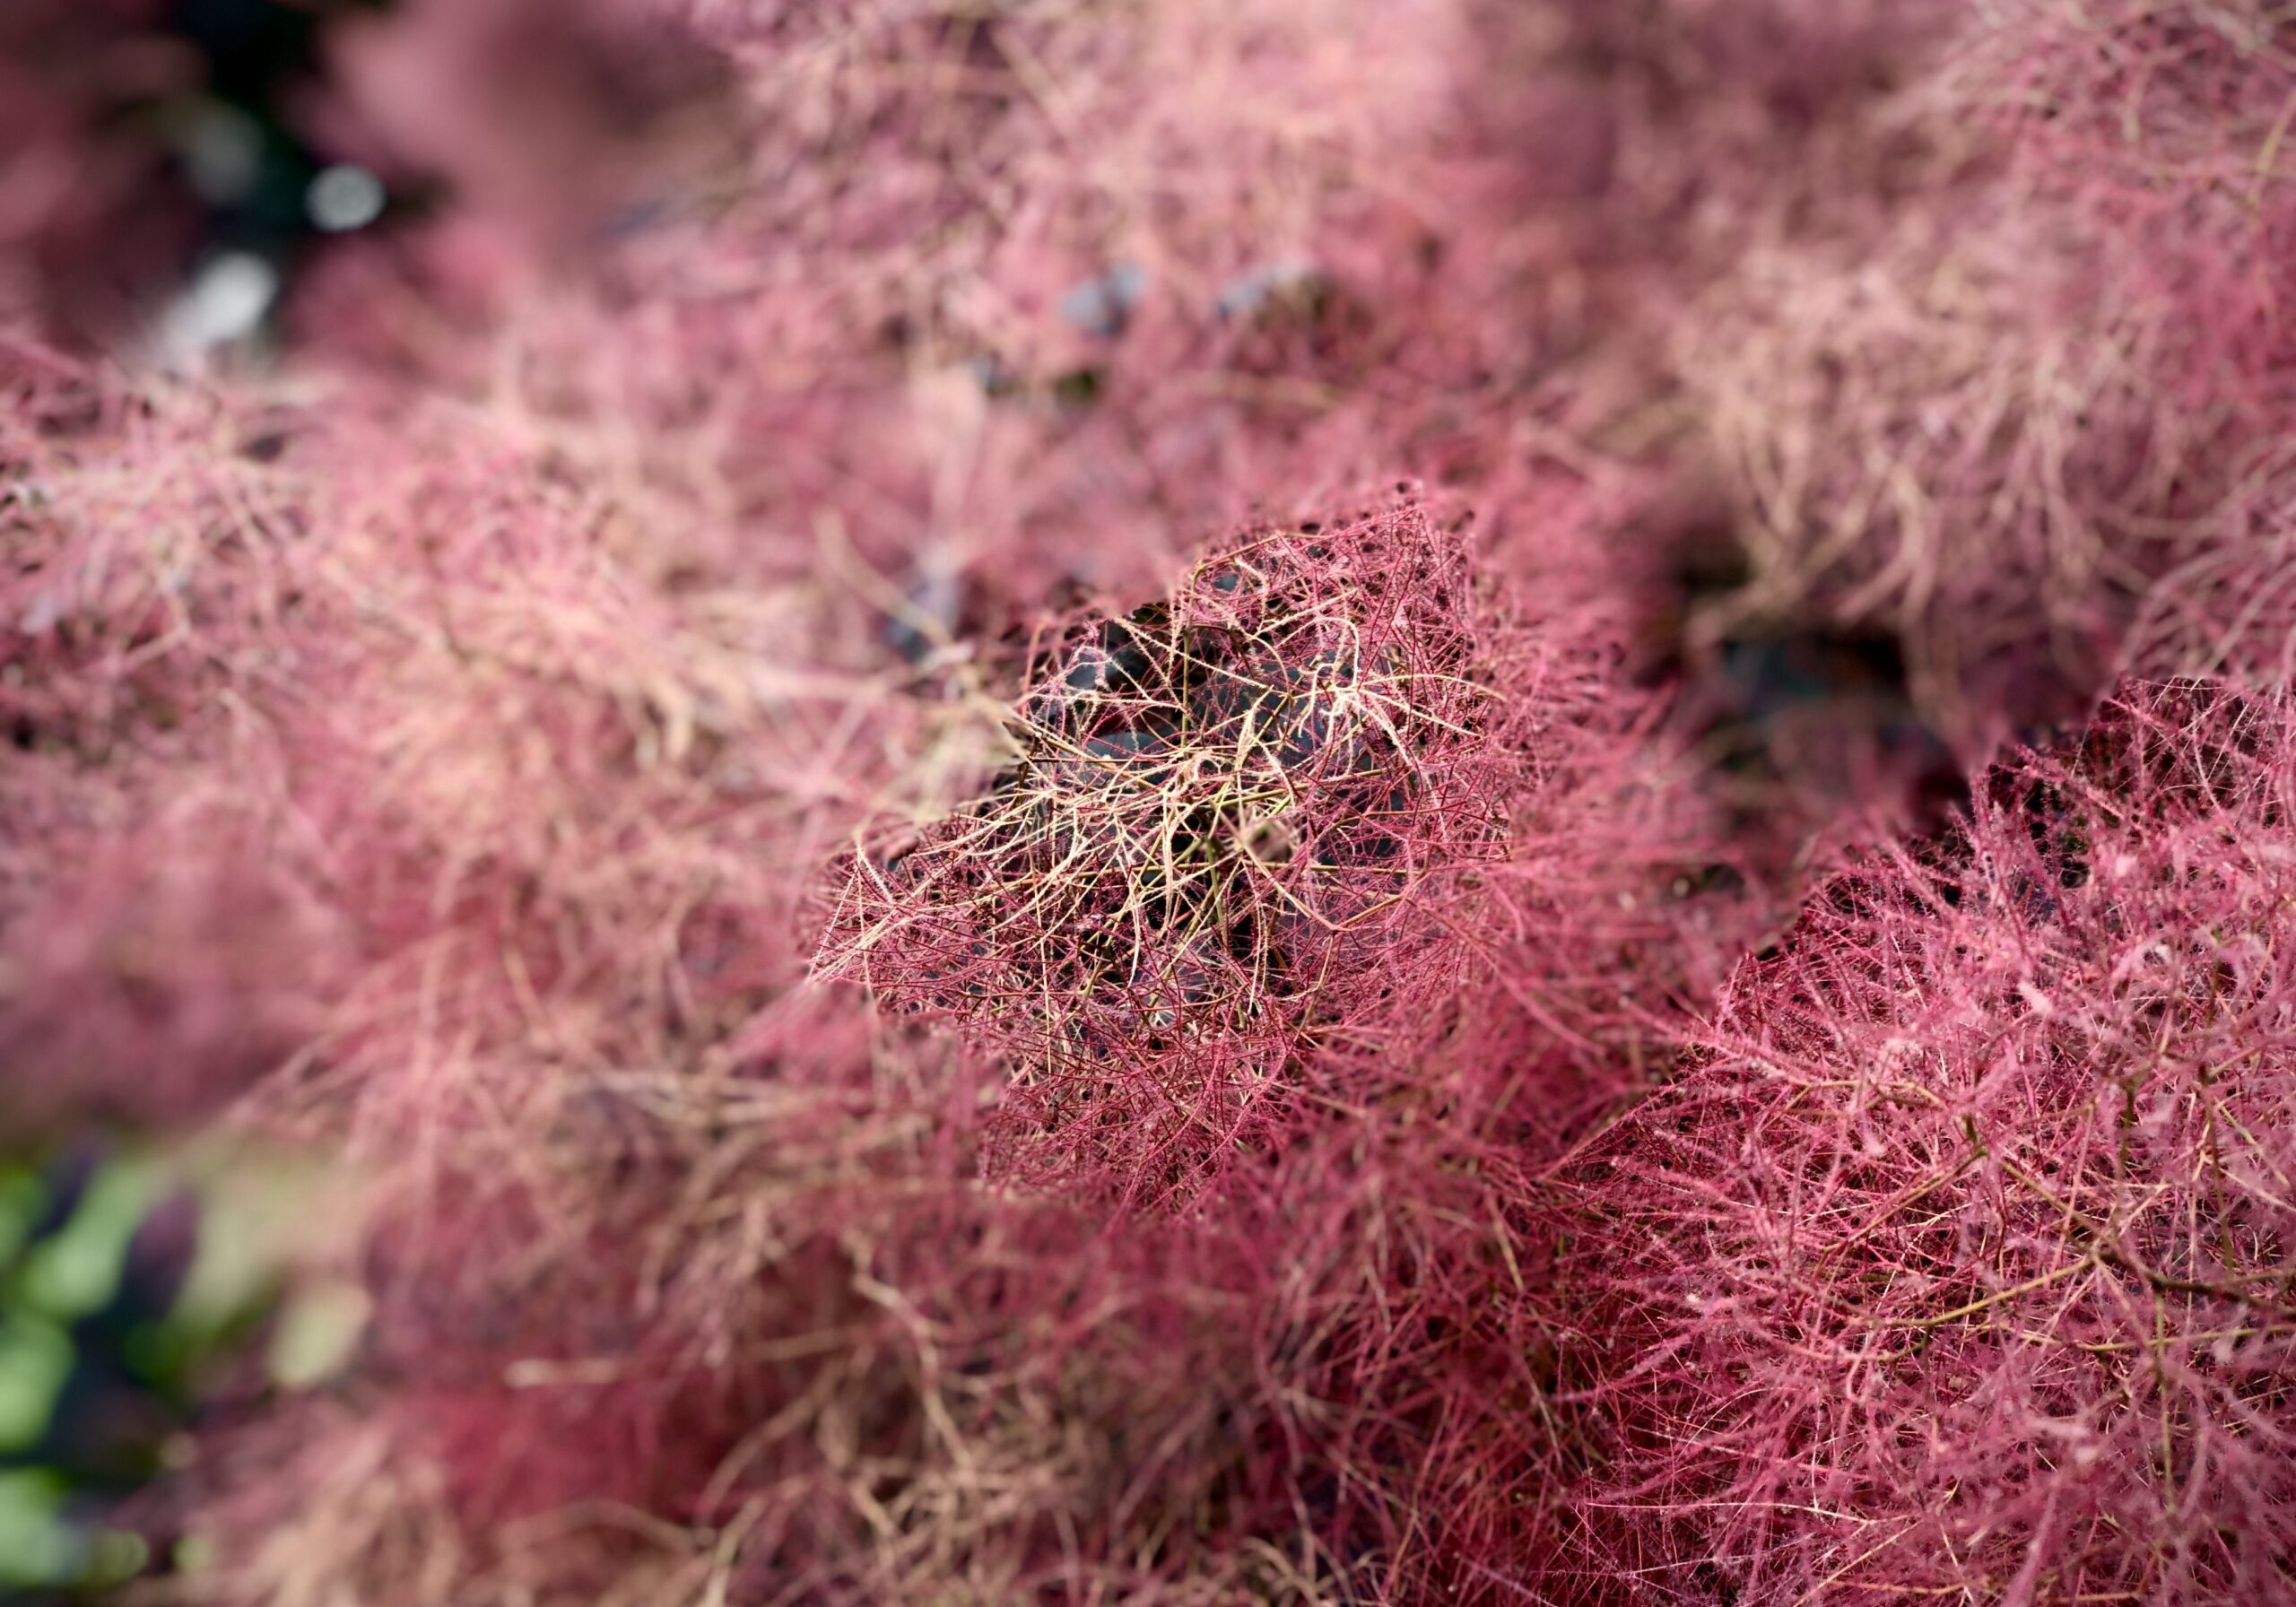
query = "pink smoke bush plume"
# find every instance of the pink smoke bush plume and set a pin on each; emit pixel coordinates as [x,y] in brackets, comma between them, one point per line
[945,987]
[1955,1263]
[1217,842]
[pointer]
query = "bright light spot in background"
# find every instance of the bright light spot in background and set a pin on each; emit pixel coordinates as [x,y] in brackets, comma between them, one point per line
[318,1332]
[224,303]
[344,197]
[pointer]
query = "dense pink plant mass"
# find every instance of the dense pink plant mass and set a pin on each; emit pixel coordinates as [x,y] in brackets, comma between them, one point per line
[1233,828]
[1958,1262]
[951,972]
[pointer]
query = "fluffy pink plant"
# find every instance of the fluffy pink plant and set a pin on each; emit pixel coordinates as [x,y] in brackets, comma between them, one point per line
[553,779]
[166,970]
[546,768]
[1653,142]
[571,675]
[2159,119]
[1956,1261]
[565,680]
[1959,328]
[2168,123]
[995,368]
[162,943]
[795,1352]
[1377,1141]
[1238,827]
[2026,420]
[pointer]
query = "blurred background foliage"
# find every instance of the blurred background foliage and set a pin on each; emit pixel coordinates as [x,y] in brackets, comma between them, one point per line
[139,1285]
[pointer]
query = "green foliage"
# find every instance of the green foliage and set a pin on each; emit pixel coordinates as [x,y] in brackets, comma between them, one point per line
[115,1322]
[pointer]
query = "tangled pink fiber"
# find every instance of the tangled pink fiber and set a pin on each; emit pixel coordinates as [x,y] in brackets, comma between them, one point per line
[1232,831]
[1957,1262]
[1316,1106]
